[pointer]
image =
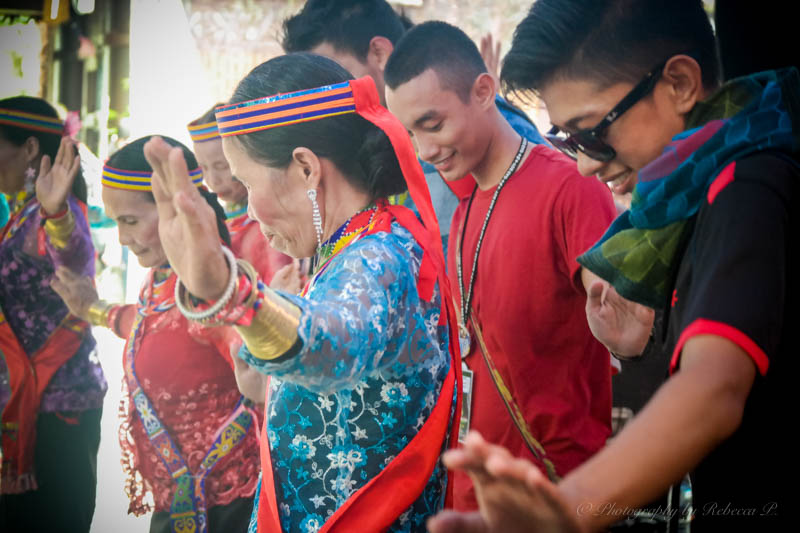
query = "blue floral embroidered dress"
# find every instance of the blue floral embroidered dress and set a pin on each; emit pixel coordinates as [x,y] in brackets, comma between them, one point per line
[366,379]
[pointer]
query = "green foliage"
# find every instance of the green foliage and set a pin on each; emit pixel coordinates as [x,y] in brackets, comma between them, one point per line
[10,20]
[16,60]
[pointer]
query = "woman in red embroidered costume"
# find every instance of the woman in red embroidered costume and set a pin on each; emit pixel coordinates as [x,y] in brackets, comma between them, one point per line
[51,385]
[362,366]
[189,439]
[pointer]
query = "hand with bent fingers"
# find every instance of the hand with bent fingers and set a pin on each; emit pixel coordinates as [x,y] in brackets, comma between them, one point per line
[186,223]
[621,325]
[288,279]
[513,494]
[77,291]
[55,181]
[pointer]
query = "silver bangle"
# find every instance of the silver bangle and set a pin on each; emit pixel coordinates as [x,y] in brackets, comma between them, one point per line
[197,316]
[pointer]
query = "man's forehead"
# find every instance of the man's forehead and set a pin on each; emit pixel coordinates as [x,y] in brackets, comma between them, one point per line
[424,89]
[571,101]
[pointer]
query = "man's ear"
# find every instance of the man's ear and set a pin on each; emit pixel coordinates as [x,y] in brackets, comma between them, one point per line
[484,90]
[380,48]
[685,82]
[307,165]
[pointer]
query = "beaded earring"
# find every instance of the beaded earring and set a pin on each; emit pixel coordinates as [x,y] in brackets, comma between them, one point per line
[316,216]
[30,180]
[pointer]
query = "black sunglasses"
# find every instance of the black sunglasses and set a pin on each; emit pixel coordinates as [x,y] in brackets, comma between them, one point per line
[588,141]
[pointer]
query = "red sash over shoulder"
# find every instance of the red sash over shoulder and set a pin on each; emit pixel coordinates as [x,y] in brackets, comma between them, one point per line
[29,377]
[369,509]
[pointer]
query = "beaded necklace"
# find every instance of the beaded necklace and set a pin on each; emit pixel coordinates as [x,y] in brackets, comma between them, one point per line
[235,210]
[345,233]
[20,208]
[463,333]
[159,295]
[355,227]
[237,218]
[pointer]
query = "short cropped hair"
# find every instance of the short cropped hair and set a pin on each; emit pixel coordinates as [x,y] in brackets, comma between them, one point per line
[439,46]
[347,25]
[607,41]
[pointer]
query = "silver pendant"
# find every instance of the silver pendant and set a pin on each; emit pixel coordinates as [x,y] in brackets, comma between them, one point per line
[463,340]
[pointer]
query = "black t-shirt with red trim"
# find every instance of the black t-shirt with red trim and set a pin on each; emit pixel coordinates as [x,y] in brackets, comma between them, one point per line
[738,280]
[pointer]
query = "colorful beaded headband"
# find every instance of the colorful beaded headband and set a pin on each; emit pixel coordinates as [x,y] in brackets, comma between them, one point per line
[285,109]
[135,180]
[203,132]
[31,121]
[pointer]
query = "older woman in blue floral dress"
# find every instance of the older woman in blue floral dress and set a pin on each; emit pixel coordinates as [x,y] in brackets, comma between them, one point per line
[363,381]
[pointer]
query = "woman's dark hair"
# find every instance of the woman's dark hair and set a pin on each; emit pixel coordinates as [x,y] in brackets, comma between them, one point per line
[131,157]
[359,149]
[48,142]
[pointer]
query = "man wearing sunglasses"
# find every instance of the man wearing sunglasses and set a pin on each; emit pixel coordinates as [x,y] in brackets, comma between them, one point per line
[633,87]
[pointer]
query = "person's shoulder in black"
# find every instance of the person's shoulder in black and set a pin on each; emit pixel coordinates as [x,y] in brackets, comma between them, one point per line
[737,281]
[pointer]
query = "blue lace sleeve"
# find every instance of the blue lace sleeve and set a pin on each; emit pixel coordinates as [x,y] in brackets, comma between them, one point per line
[363,315]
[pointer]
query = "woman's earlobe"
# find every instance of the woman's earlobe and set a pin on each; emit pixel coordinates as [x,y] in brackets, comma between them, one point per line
[309,163]
[32,148]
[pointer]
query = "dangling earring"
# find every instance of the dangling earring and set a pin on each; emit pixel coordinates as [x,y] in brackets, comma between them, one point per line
[316,216]
[30,180]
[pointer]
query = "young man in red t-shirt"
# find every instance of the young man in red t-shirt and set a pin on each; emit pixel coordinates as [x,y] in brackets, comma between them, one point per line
[517,235]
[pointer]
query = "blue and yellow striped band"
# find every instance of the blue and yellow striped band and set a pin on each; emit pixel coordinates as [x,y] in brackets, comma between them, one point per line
[203,132]
[31,121]
[285,109]
[135,180]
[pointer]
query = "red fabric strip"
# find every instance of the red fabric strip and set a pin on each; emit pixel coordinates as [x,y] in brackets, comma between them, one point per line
[702,326]
[368,106]
[28,378]
[720,182]
[268,521]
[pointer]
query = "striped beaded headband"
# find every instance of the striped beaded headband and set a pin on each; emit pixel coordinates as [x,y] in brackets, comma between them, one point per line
[135,180]
[284,109]
[31,121]
[203,132]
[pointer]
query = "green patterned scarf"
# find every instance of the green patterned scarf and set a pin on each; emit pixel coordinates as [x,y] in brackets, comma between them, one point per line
[639,253]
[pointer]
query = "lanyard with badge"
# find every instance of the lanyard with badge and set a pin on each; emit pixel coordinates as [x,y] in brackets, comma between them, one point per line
[464,340]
